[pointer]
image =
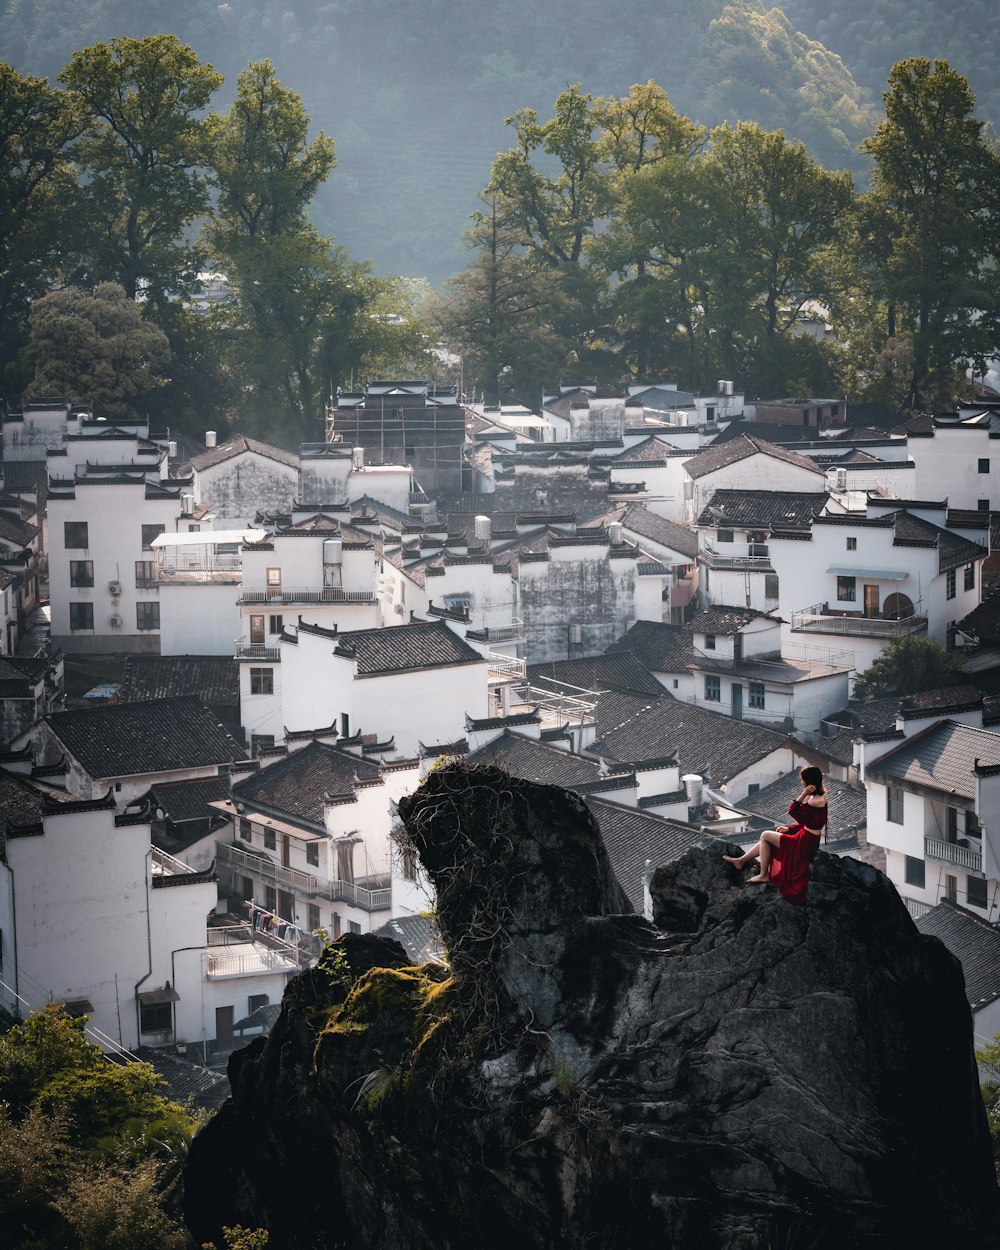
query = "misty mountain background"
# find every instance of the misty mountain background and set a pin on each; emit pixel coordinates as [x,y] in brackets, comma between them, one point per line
[415,95]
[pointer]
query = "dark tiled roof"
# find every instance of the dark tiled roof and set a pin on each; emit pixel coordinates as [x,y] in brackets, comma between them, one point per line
[188,800]
[974,942]
[953,549]
[238,445]
[984,620]
[848,804]
[658,647]
[632,837]
[536,761]
[417,935]
[125,739]
[186,1080]
[26,477]
[214,679]
[402,647]
[786,509]
[715,746]
[720,455]
[653,449]
[21,806]
[17,532]
[618,671]
[680,538]
[941,757]
[724,619]
[298,785]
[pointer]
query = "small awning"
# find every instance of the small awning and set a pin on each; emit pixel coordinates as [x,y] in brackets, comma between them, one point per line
[152,997]
[869,575]
[208,538]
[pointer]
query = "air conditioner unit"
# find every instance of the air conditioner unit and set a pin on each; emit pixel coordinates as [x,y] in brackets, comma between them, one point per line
[115,622]
[114,589]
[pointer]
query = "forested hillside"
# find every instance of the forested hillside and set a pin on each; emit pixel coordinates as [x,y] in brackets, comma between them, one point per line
[415,96]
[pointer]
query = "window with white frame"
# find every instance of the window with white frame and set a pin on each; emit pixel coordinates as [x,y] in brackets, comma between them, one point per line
[949,584]
[262,681]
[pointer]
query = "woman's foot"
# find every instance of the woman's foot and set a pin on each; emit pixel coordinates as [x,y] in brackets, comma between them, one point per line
[737,861]
[758,880]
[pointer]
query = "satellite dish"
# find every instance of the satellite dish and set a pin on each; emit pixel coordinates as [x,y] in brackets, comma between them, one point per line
[160,813]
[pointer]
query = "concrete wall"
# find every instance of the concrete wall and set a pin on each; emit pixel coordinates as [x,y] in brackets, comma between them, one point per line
[244,485]
[556,490]
[947,466]
[198,618]
[581,586]
[756,472]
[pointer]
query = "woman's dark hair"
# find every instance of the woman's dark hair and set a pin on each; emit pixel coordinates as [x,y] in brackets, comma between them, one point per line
[812,776]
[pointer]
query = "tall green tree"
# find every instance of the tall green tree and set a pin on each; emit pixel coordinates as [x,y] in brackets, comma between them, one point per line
[36,182]
[931,232]
[140,156]
[97,349]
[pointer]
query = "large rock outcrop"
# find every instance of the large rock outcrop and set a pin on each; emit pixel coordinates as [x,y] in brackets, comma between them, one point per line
[738,1074]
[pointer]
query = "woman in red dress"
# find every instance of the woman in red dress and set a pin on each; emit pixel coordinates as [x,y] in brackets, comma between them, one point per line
[785,853]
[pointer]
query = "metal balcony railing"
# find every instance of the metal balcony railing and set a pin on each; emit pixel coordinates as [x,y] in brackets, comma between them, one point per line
[504,668]
[759,560]
[952,853]
[815,620]
[369,898]
[506,633]
[307,594]
[256,651]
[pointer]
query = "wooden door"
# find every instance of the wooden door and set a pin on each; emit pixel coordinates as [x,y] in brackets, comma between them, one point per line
[871,601]
[257,630]
[224,1028]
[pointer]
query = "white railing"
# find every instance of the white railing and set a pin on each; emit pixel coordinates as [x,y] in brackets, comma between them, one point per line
[504,668]
[916,908]
[256,651]
[506,633]
[196,576]
[715,560]
[247,963]
[374,898]
[307,594]
[952,853]
[815,620]
[168,866]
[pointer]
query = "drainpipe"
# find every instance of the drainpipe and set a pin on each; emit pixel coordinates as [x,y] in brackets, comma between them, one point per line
[149,949]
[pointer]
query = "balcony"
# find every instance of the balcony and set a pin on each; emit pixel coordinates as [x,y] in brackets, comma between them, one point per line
[307,594]
[966,857]
[756,559]
[817,620]
[374,895]
[916,908]
[256,651]
[504,668]
[505,633]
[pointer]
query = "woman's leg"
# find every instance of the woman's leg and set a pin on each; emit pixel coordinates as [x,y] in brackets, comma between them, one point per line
[741,861]
[768,841]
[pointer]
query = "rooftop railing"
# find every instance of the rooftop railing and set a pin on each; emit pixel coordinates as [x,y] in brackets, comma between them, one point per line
[816,621]
[255,651]
[307,594]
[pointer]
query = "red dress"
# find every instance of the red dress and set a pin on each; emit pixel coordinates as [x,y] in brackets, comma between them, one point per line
[789,868]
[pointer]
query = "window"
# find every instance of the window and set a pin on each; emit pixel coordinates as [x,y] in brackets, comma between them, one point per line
[75,534]
[409,864]
[894,805]
[755,697]
[353,926]
[709,642]
[725,536]
[847,590]
[336,924]
[770,585]
[312,853]
[951,824]
[914,871]
[245,829]
[949,584]
[951,888]
[155,1017]
[258,742]
[269,841]
[852,544]
[984,465]
[275,624]
[149,532]
[753,787]
[274,579]
[145,574]
[262,681]
[270,898]
[257,1000]
[312,912]
[713,690]
[676,683]
[81,616]
[147,616]
[246,889]
[969,577]
[345,725]
[975,891]
[984,505]
[81,572]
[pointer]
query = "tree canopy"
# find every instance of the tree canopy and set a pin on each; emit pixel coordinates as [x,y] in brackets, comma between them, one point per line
[908,665]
